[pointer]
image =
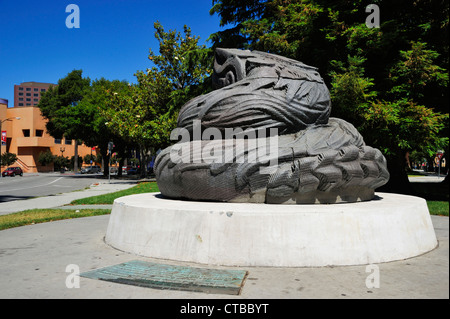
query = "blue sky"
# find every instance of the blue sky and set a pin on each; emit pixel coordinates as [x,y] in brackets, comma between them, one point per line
[112,42]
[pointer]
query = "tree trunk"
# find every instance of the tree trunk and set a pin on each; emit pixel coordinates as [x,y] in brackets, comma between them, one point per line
[143,172]
[105,157]
[446,179]
[75,159]
[122,153]
[119,170]
[398,181]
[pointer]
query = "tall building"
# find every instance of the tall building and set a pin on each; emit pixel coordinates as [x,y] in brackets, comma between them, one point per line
[29,93]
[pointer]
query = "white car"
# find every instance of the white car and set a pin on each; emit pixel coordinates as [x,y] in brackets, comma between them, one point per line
[91,169]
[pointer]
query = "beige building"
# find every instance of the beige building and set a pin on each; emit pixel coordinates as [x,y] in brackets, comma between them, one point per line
[24,133]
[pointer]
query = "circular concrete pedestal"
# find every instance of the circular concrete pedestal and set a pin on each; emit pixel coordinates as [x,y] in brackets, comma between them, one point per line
[392,227]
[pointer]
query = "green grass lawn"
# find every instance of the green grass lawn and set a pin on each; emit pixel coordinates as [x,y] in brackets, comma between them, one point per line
[436,207]
[36,216]
[108,199]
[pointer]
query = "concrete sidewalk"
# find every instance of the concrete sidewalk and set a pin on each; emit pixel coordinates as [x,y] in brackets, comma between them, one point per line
[426,179]
[99,188]
[33,261]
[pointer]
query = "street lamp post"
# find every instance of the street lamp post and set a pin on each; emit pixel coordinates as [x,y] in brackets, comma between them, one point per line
[1,144]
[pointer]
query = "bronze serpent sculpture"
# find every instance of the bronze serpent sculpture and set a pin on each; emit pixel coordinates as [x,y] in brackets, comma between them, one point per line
[273,141]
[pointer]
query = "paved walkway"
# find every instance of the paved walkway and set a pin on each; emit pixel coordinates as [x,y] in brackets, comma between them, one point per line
[34,261]
[100,188]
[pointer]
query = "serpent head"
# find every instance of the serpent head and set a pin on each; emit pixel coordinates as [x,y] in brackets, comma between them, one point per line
[233,65]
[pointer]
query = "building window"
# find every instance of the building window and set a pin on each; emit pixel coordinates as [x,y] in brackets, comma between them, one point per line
[20,94]
[35,94]
[26,133]
[39,133]
[42,90]
[68,142]
[57,141]
[20,98]
[20,88]
[35,100]
[28,100]
[35,89]
[28,94]
[28,104]
[28,89]
[20,104]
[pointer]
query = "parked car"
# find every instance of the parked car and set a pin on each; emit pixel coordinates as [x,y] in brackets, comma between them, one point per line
[12,171]
[133,171]
[90,169]
[125,168]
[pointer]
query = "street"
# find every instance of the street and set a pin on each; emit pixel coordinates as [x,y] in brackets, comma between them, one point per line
[42,184]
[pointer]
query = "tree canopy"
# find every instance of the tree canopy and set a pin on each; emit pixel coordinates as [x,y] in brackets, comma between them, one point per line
[390,82]
[73,109]
[145,113]
[59,105]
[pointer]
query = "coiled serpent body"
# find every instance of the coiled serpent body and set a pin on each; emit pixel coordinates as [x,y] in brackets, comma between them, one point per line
[283,147]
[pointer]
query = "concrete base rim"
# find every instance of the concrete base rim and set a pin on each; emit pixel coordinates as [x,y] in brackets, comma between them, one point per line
[393,227]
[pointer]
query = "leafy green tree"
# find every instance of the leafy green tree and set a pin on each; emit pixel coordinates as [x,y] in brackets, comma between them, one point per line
[139,113]
[96,131]
[59,106]
[74,109]
[145,113]
[181,59]
[73,159]
[235,13]
[88,158]
[415,72]
[8,158]
[351,91]
[390,82]
[61,162]
[183,62]
[319,31]
[46,158]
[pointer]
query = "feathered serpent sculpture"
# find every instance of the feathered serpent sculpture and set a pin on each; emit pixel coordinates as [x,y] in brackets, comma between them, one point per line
[264,135]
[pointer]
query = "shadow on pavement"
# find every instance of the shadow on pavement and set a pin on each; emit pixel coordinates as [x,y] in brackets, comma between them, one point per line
[9,198]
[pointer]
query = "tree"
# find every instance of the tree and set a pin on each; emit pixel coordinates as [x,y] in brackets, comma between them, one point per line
[390,82]
[145,113]
[74,159]
[318,31]
[235,13]
[46,158]
[89,159]
[61,162]
[397,126]
[8,158]
[183,62]
[96,132]
[415,72]
[59,106]
[74,109]
[139,113]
